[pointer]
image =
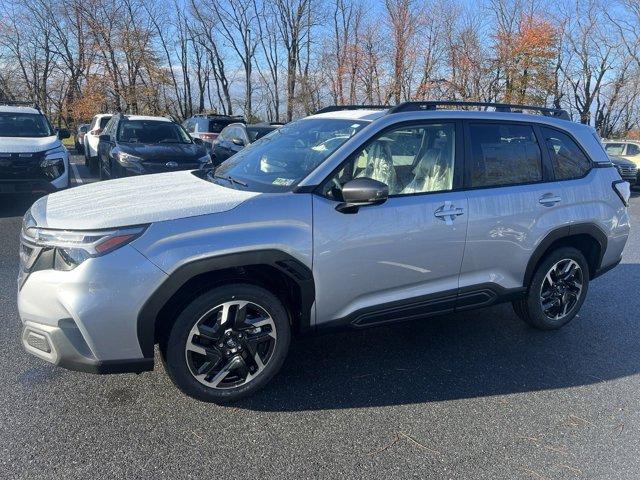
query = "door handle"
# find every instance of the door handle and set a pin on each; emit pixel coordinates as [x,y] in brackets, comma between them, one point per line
[549,200]
[448,213]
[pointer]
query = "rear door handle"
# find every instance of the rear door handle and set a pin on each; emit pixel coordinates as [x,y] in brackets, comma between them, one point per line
[448,212]
[549,200]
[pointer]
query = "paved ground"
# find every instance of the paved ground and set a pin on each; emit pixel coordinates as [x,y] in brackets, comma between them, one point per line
[476,395]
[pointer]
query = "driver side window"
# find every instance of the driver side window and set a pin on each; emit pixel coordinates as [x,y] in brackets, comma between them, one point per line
[408,159]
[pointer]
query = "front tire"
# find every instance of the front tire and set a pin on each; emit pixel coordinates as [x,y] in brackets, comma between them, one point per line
[557,290]
[228,343]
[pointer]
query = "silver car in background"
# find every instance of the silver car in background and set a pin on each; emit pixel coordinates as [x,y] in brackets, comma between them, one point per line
[346,219]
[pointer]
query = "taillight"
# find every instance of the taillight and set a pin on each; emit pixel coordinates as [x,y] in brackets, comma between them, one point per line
[208,136]
[623,190]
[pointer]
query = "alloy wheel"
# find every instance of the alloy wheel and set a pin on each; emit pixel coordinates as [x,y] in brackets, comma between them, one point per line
[561,289]
[231,344]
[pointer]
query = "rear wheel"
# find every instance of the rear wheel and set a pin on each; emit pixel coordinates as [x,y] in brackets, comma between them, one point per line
[227,343]
[557,290]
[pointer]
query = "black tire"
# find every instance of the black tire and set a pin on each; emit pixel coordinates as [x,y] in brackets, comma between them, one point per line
[530,307]
[175,356]
[93,165]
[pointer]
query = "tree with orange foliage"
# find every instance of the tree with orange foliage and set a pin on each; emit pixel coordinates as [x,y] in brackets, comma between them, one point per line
[525,58]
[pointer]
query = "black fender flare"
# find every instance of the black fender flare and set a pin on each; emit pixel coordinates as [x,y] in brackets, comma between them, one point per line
[285,263]
[590,229]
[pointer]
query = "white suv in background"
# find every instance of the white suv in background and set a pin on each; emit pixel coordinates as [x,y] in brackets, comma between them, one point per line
[91,139]
[32,156]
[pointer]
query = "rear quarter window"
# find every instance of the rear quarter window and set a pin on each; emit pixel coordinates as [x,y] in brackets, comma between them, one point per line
[568,160]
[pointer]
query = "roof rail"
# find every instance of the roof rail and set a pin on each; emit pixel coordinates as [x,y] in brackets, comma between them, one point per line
[217,115]
[20,103]
[339,108]
[499,107]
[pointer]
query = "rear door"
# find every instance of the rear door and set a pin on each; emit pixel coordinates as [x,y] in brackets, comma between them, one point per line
[513,204]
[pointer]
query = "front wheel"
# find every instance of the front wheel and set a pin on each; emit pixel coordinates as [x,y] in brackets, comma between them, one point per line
[227,343]
[557,290]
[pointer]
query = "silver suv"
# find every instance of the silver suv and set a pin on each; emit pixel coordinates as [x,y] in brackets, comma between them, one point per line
[349,218]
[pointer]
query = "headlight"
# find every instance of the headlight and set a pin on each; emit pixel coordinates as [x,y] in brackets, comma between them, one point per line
[53,164]
[66,249]
[128,160]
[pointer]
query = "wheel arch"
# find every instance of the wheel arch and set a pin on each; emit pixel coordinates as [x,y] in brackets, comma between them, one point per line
[275,270]
[586,237]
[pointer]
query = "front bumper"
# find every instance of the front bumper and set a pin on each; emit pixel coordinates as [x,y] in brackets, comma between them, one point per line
[64,346]
[86,319]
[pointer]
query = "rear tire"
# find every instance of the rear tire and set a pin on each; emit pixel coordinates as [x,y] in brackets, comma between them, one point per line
[557,290]
[227,343]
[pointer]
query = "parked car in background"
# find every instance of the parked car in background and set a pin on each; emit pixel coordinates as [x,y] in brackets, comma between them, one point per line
[207,127]
[627,149]
[32,156]
[79,137]
[91,139]
[137,144]
[235,137]
[415,211]
[626,168]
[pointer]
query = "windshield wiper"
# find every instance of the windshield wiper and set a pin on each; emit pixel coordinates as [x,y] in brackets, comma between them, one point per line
[230,179]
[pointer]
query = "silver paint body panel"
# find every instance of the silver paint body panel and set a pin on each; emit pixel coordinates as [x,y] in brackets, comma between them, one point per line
[391,252]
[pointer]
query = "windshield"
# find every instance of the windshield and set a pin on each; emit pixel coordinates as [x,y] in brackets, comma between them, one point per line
[614,148]
[24,125]
[216,126]
[151,131]
[279,160]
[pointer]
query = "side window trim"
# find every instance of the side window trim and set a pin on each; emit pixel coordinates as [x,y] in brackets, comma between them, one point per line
[458,161]
[546,173]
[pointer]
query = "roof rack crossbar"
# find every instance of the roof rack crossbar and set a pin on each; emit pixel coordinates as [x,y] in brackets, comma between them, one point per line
[499,107]
[339,108]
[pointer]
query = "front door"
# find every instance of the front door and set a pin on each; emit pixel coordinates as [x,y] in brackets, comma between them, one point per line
[400,259]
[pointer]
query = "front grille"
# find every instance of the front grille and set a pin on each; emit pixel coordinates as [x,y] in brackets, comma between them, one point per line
[161,166]
[628,170]
[22,166]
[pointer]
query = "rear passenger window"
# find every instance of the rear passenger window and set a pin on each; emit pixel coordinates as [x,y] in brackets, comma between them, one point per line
[504,154]
[567,158]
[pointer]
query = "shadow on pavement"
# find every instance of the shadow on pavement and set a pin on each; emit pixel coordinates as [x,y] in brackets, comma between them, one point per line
[16,205]
[482,353]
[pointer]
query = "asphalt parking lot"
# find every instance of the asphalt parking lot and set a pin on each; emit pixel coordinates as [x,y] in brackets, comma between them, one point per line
[475,395]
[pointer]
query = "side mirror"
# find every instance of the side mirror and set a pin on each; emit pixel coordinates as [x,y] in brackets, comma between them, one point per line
[63,133]
[104,138]
[237,141]
[198,141]
[362,192]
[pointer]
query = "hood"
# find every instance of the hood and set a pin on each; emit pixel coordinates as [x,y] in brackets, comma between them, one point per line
[135,200]
[28,144]
[188,152]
